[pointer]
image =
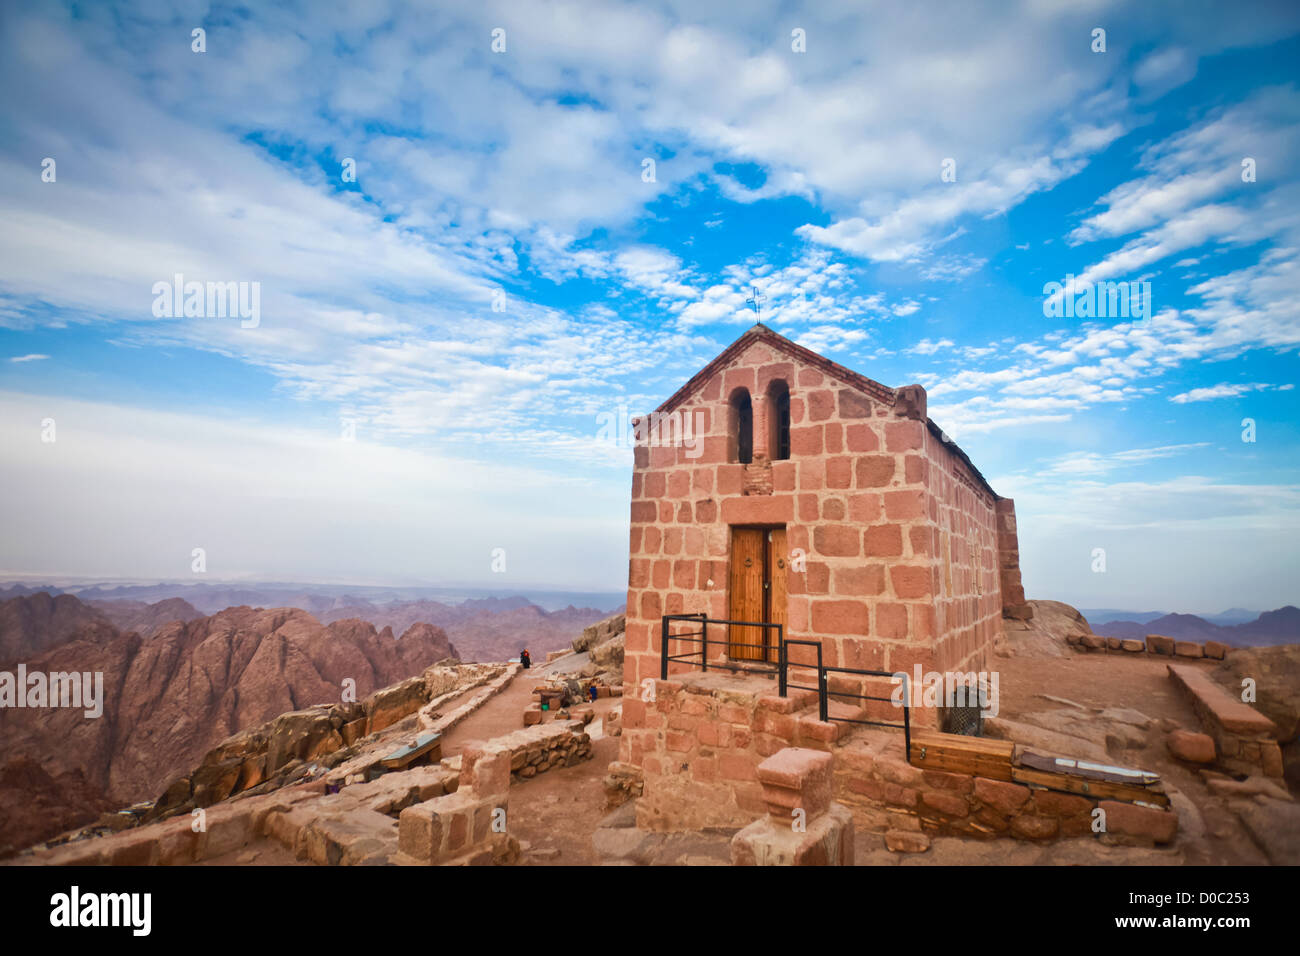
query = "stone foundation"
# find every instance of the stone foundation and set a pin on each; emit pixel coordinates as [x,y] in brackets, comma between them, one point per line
[699,743]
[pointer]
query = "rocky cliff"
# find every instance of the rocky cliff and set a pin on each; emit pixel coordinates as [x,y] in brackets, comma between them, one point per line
[171,696]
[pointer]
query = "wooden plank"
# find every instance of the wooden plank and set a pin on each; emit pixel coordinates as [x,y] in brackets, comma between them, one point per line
[954,753]
[960,743]
[1083,786]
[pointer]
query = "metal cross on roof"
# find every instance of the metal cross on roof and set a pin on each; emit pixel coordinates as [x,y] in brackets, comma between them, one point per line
[756,298]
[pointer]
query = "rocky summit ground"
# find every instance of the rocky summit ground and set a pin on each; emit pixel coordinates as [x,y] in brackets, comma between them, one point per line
[1113,708]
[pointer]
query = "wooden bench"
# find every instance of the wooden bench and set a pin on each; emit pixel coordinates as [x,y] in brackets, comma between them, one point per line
[425,745]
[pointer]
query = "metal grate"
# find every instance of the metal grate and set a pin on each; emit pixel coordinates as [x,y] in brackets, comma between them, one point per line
[967,721]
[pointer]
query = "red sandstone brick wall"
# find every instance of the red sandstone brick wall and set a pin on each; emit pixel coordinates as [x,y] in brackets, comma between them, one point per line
[964,547]
[868,496]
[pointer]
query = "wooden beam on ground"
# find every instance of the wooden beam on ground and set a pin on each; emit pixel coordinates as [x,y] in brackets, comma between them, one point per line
[1089,780]
[955,753]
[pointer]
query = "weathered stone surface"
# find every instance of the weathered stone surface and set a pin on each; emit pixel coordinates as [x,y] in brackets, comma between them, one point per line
[1028,826]
[1000,795]
[1188,649]
[1190,746]
[388,706]
[1216,650]
[907,841]
[826,841]
[1159,644]
[1142,823]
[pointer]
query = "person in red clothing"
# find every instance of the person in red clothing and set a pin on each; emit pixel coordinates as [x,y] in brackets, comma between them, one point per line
[525,659]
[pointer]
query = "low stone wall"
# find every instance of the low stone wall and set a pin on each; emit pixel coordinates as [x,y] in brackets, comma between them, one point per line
[1156,645]
[468,826]
[1244,739]
[888,795]
[537,749]
[496,679]
[699,742]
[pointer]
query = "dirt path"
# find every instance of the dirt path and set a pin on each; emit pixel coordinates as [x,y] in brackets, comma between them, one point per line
[555,813]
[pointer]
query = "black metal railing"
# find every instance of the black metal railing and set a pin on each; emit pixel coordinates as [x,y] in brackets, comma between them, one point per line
[780,667]
[824,695]
[701,637]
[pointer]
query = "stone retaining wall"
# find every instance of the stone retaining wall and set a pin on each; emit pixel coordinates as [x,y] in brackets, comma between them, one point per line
[887,794]
[1244,739]
[1156,645]
[536,749]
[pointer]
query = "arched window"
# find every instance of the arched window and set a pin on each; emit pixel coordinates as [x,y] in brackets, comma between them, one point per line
[740,433]
[778,418]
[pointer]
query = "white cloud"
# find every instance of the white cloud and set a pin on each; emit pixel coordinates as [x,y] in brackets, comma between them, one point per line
[1223,391]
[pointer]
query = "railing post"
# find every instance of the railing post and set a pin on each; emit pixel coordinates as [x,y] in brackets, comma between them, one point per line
[783,661]
[823,703]
[663,648]
[704,643]
[907,723]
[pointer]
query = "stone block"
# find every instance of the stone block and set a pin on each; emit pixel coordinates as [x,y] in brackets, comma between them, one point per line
[999,795]
[1159,644]
[1028,826]
[906,841]
[796,777]
[826,841]
[1144,824]
[1190,746]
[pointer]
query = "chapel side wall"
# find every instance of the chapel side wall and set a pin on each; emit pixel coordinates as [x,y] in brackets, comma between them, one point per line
[965,549]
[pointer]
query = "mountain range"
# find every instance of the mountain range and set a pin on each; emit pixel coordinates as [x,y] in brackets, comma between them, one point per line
[1281,626]
[169,696]
[178,680]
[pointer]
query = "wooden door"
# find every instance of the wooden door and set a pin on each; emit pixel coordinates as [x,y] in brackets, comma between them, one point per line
[748,560]
[778,560]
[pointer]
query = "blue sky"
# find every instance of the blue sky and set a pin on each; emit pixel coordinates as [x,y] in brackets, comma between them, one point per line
[814,176]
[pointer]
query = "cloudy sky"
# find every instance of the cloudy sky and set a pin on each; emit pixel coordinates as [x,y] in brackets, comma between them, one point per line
[557,212]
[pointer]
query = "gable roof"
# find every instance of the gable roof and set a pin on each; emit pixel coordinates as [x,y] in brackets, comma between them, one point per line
[759,332]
